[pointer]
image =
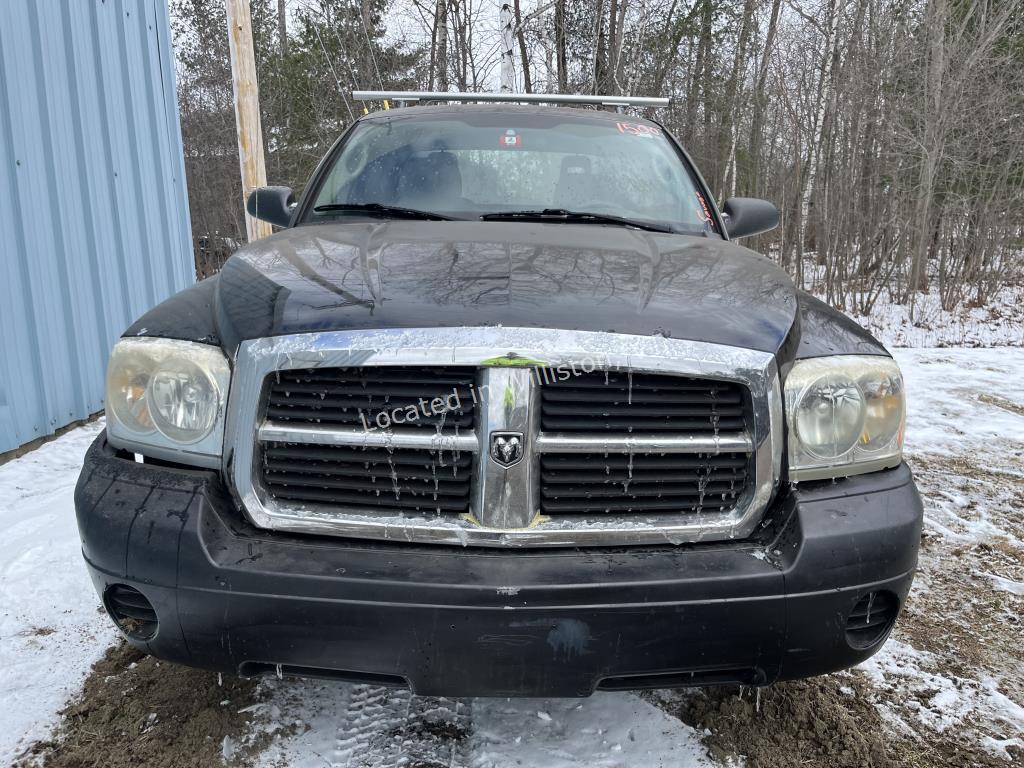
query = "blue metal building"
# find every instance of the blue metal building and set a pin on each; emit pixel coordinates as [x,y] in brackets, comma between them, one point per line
[94,225]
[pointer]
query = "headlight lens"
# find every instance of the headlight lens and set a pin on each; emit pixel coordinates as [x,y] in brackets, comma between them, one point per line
[184,400]
[846,416]
[166,398]
[127,383]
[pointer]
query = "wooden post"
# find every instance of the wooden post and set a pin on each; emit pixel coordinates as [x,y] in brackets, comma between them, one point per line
[247,109]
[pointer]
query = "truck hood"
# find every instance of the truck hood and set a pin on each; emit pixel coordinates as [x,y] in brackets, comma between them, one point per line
[416,274]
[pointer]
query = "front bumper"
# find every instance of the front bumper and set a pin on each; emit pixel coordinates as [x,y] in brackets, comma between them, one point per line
[462,621]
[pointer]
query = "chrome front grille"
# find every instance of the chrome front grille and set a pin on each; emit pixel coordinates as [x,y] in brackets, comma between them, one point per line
[423,481]
[624,401]
[355,396]
[627,403]
[641,483]
[368,402]
[667,441]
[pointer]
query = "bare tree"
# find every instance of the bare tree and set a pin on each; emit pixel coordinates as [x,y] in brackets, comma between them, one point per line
[888,132]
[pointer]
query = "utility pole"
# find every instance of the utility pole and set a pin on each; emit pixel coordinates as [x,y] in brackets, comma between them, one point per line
[247,109]
[505,20]
[282,27]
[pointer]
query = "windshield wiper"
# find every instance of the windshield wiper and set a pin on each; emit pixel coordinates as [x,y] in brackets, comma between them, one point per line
[574,217]
[378,209]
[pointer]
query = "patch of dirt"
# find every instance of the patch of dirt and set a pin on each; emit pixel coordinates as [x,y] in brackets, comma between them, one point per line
[963,620]
[806,723]
[954,611]
[135,712]
[824,722]
[434,729]
[1001,402]
[971,630]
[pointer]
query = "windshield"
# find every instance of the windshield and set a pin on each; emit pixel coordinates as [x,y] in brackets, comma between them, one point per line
[489,162]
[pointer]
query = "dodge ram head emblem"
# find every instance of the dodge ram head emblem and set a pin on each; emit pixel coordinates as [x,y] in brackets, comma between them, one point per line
[506,448]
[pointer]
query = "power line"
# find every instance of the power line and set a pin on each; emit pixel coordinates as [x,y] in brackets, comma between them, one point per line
[369,47]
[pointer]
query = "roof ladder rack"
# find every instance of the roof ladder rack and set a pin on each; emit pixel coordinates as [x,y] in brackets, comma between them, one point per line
[404,97]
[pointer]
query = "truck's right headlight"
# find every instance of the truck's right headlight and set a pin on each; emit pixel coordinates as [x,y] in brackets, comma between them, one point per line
[845,416]
[166,398]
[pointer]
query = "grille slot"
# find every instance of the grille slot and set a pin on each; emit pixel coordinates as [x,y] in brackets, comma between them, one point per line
[655,483]
[400,480]
[620,401]
[131,611]
[871,619]
[346,396]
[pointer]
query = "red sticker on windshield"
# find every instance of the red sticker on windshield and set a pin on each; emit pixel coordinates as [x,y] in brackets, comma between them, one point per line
[510,139]
[638,129]
[704,205]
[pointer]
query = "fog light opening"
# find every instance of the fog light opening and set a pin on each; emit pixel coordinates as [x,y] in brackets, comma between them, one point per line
[133,614]
[871,619]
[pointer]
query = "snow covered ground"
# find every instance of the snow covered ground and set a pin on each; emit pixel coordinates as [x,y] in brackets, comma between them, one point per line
[954,671]
[51,626]
[373,727]
[998,323]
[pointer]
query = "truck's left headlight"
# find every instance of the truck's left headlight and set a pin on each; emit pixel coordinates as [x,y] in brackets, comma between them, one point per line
[166,399]
[845,415]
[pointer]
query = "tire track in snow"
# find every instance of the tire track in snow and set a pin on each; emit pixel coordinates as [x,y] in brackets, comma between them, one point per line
[383,727]
[365,726]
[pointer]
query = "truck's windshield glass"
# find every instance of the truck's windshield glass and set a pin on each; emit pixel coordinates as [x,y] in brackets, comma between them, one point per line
[488,162]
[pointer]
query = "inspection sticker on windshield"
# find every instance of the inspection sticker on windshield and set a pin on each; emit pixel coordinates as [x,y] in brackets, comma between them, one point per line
[510,139]
[704,206]
[638,129]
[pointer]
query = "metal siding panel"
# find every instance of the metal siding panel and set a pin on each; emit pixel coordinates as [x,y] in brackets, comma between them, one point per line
[94,225]
[175,157]
[149,91]
[107,209]
[31,391]
[54,289]
[103,294]
[16,359]
[119,126]
[139,132]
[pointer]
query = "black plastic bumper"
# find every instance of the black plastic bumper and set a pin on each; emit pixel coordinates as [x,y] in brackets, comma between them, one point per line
[460,622]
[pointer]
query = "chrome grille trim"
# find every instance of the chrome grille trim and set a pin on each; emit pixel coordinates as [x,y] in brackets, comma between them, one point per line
[599,443]
[479,347]
[505,498]
[272,431]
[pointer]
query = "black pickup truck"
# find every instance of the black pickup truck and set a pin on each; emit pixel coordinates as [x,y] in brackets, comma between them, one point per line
[502,409]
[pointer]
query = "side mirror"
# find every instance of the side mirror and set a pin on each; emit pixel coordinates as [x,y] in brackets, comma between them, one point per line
[271,204]
[745,216]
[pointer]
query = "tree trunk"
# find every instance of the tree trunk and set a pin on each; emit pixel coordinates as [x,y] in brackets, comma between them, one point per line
[432,66]
[822,96]
[600,51]
[729,115]
[442,45]
[521,37]
[616,40]
[460,53]
[674,40]
[697,89]
[931,145]
[757,119]
[282,28]
[560,57]
[505,24]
